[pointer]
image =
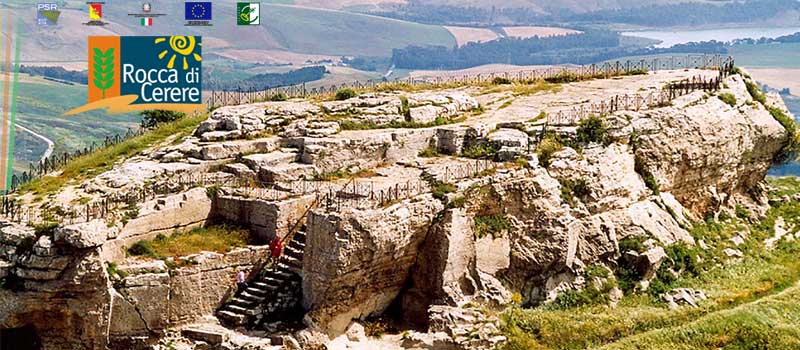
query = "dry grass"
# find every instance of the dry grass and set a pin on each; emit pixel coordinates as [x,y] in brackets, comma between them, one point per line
[99,161]
[220,239]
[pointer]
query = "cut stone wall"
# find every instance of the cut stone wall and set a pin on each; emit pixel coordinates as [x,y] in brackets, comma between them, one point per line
[265,218]
[153,297]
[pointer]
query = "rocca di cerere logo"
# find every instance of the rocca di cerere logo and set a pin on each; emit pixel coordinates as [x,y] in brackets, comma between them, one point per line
[135,73]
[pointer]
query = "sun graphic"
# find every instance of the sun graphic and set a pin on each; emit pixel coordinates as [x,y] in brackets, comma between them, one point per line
[180,45]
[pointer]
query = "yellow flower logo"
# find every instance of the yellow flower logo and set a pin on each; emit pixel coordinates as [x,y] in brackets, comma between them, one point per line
[180,45]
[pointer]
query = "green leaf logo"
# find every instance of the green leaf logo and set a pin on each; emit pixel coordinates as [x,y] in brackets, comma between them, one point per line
[103,69]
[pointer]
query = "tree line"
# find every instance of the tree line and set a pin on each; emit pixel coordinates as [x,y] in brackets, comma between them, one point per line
[268,80]
[588,47]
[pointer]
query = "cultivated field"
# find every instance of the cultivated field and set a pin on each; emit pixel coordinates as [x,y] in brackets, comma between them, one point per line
[489,68]
[529,32]
[467,35]
[778,78]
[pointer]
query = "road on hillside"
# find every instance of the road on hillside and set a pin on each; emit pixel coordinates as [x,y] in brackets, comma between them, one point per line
[50,144]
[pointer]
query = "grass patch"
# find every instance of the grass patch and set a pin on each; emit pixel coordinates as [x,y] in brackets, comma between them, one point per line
[491,225]
[506,104]
[430,152]
[102,160]
[218,239]
[728,320]
[439,121]
[523,88]
[649,180]
[538,117]
[755,91]
[791,149]
[549,146]
[728,98]
[441,189]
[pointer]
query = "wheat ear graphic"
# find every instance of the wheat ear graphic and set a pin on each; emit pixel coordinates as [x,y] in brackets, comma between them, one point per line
[104,69]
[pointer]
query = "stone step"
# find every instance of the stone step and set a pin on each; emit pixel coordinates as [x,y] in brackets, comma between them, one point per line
[269,160]
[243,302]
[294,253]
[256,291]
[292,261]
[287,172]
[251,297]
[265,286]
[210,337]
[300,236]
[297,245]
[240,310]
[283,268]
[232,317]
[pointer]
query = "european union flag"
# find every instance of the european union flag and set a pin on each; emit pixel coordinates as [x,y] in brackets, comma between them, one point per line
[198,11]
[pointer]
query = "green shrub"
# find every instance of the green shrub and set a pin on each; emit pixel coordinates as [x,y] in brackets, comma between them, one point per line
[634,243]
[142,248]
[563,77]
[405,109]
[742,213]
[572,188]
[114,272]
[491,225]
[728,98]
[430,152]
[592,129]
[590,295]
[792,147]
[480,150]
[755,91]
[344,94]
[649,180]
[440,190]
[596,270]
[458,202]
[501,81]
[549,146]
[153,118]
[278,97]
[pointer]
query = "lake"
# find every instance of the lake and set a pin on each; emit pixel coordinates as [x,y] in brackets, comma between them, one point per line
[768,56]
[674,37]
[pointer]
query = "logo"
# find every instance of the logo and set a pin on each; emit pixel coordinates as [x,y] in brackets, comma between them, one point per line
[95,14]
[248,13]
[198,13]
[47,13]
[145,18]
[135,73]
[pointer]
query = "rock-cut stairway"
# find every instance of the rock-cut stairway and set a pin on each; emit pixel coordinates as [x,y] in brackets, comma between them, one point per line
[274,294]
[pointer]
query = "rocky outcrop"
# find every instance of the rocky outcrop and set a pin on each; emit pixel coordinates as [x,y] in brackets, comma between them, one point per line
[704,151]
[57,285]
[356,262]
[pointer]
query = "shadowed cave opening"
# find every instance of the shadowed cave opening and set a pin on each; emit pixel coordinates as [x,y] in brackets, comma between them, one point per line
[23,338]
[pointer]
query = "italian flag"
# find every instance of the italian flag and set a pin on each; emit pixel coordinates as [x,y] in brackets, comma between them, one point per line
[147,22]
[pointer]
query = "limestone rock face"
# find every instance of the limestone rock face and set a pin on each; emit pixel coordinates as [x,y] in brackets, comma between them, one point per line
[57,286]
[703,151]
[307,119]
[445,269]
[357,262]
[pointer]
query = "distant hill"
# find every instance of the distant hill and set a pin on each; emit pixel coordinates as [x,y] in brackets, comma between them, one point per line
[294,29]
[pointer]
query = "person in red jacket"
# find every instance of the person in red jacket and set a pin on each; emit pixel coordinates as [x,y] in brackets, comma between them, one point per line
[275,248]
